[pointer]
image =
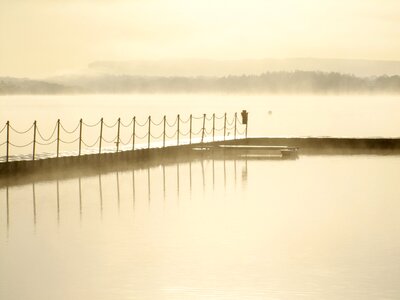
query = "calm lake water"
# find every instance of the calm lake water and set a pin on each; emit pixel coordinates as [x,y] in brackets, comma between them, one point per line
[269,115]
[319,227]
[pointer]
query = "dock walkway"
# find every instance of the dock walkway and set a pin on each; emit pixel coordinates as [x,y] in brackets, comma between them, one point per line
[253,147]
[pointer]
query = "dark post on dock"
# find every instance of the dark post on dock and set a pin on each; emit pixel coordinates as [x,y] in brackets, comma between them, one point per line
[245,117]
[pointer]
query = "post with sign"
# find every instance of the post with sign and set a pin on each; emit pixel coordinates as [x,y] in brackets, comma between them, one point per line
[245,120]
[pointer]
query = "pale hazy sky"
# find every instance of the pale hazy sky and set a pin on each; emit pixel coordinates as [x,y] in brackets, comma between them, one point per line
[45,37]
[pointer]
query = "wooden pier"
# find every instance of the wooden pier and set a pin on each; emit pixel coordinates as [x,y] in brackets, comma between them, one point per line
[247,149]
[132,141]
[220,137]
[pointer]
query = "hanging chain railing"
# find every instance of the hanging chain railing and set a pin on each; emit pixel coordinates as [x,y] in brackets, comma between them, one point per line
[212,127]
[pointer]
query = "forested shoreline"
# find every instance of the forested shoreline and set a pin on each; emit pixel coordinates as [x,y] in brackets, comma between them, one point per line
[297,82]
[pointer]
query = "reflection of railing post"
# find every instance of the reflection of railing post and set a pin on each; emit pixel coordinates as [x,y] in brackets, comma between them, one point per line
[163,176]
[149,133]
[235,126]
[80,136]
[204,125]
[190,129]
[224,126]
[101,196]
[8,210]
[177,179]
[101,134]
[164,121]
[34,140]
[8,141]
[118,130]
[80,199]
[118,193]
[133,133]
[58,137]
[213,129]
[148,185]
[34,205]
[177,130]
[58,202]
[133,189]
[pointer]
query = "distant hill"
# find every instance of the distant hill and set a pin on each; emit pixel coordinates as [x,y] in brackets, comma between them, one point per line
[204,67]
[10,86]
[297,82]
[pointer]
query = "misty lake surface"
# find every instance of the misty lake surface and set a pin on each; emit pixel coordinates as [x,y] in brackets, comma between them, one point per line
[351,116]
[319,227]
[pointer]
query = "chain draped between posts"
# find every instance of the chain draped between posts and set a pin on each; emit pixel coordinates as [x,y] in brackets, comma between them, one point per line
[194,128]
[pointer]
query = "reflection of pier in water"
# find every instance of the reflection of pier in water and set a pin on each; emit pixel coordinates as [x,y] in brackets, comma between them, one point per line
[173,180]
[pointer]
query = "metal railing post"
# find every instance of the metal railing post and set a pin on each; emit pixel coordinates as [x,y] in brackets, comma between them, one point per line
[149,133]
[133,133]
[224,126]
[190,129]
[8,141]
[80,136]
[234,137]
[101,134]
[118,131]
[204,125]
[177,131]
[164,121]
[34,141]
[58,137]
[213,129]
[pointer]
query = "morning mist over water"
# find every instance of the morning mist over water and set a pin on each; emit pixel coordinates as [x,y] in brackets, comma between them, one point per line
[199,150]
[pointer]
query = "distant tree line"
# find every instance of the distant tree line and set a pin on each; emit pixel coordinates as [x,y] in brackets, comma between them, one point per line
[297,82]
[18,86]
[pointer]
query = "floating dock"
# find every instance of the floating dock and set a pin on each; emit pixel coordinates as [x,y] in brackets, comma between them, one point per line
[249,148]
[247,151]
